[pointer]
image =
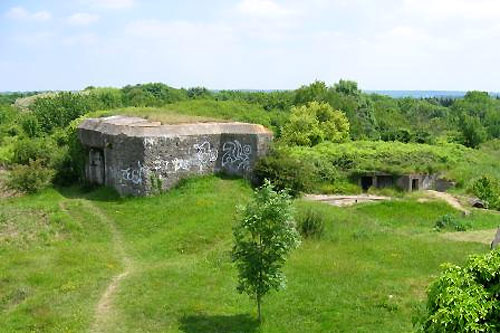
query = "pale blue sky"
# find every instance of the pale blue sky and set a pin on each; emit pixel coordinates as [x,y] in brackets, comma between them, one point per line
[253,44]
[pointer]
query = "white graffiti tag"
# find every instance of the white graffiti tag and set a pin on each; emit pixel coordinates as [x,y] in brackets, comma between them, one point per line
[205,154]
[180,164]
[134,175]
[236,155]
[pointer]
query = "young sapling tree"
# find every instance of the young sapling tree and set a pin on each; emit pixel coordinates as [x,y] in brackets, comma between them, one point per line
[263,239]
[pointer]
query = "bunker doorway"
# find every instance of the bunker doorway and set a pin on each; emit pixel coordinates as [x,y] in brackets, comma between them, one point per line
[414,185]
[96,167]
[366,183]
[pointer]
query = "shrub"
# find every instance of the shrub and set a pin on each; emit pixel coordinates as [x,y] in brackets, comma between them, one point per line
[284,172]
[311,224]
[465,299]
[26,150]
[488,190]
[313,123]
[450,222]
[30,178]
[30,125]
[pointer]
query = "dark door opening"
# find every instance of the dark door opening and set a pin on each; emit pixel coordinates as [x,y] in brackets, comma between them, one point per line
[96,166]
[366,183]
[414,185]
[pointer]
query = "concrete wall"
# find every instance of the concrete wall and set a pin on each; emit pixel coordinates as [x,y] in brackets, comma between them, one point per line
[140,157]
[411,182]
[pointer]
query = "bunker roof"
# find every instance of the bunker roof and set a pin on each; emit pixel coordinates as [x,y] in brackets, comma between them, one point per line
[140,127]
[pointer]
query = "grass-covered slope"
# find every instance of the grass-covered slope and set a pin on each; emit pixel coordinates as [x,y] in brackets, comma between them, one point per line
[58,254]
[202,110]
[452,161]
[55,259]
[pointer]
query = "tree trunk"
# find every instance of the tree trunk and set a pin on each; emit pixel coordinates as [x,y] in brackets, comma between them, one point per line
[258,308]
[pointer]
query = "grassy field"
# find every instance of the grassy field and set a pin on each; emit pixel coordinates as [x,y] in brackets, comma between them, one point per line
[61,249]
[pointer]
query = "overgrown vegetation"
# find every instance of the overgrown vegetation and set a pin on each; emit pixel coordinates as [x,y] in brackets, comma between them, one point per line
[452,223]
[311,224]
[376,133]
[465,299]
[488,190]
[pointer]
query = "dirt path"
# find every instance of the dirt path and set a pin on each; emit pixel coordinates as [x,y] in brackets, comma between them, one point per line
[451,200]
[104,311]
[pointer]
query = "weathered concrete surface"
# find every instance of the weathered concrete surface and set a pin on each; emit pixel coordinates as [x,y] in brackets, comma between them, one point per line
[344,200]
[138,157]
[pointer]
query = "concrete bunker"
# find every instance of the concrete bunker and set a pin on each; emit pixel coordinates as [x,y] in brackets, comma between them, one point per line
[408,182]
[137,157]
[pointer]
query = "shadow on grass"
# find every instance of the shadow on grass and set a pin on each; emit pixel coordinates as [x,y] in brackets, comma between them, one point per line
[241,323]
[94,193]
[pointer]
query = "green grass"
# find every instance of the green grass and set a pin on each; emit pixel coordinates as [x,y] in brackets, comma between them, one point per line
[53,265]
[202,111]
[368,273]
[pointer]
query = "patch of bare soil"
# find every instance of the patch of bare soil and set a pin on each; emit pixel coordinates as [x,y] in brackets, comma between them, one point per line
[344,200]
[105,313]
[450,199]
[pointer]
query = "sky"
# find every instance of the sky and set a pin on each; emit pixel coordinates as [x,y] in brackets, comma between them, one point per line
[250,44]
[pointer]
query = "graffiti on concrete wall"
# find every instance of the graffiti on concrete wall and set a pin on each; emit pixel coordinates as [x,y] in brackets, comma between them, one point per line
[205,154]
[236,155]
[134,175]
[202,157]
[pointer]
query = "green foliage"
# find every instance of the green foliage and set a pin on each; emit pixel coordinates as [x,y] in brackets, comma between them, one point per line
[26,150]
[311,224]
[347,87]
[58,111]
[465,299]
[198,93]
[314,92]
[263,239]
[451,222]
[314,123]
[473,131]
[487,189]
[30,178]
[285,172]
[270,101]
[30,125]
[392,157]
[152,94]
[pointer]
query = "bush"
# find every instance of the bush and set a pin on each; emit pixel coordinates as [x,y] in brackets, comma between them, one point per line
[30,125]
[450,222]
[311,224]
[488,190]
[314,123]
[30,178]
[26,150]
[284,172]
[465,299]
